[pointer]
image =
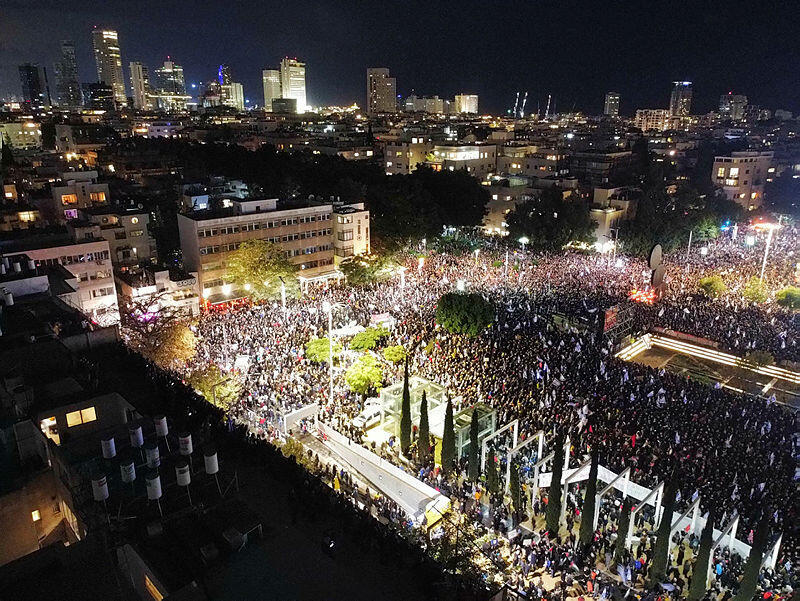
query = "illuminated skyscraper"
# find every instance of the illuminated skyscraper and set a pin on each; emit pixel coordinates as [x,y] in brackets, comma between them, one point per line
[381,91]
[68,89]
[611,107]
[170,92]
[466,103]
[233,95]
[109,62]
[271,79]
[33,80]
[293,82]
[732,106]
[680,102]
[140,86]
[224,75]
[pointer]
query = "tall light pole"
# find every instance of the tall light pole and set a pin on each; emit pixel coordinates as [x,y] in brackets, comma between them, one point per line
[772,228]
[524,240]
[328,308]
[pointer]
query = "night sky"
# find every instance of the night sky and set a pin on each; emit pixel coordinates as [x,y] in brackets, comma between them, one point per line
[574,50]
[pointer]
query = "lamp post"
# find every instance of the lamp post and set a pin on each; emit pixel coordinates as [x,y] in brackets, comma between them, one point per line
[772,228]
[524,240]
[477,252]
[328,308]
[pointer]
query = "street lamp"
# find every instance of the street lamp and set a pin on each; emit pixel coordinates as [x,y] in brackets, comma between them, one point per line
[328,308]
[524,240]
[771,227]
[477,252]
[420,264]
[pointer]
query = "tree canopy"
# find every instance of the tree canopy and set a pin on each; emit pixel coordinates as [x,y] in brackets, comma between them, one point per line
[789,297]
[712,286]
[464,313]
[364,375]
[217,388]
[367,339]
[259,267]
[368,269]
[318,350]
[157,330]
[551,222]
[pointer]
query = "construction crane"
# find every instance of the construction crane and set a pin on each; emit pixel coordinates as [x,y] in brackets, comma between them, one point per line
[516,103]
[547,110]
[522,110]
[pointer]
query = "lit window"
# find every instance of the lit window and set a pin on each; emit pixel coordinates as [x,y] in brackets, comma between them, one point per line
[388,163]
[35,515]
[27,216]
[88,415]
[98,196]
[734,172]
[721,172]
[74,419]
[151,588]
[134,220]
[69,199]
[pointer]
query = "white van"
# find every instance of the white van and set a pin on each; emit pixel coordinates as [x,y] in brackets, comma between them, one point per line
[368,418]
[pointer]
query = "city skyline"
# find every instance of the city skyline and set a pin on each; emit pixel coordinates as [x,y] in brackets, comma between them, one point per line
[335,45]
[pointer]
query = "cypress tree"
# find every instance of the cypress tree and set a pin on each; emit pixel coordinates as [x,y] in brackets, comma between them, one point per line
[587,512]
[405,416]
[747,586]
[424,442]
[448,439]
[492,478]
[622,529]
[514,488]
[474,448]
[699,583]
[553,514]
[658,567]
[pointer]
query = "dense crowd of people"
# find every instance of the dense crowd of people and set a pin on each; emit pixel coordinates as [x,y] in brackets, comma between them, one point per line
[737,453]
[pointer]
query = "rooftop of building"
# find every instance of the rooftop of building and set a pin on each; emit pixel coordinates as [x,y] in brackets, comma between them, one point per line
[81,571]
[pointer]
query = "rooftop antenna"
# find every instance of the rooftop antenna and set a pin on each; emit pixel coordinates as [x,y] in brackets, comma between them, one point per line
[547,110]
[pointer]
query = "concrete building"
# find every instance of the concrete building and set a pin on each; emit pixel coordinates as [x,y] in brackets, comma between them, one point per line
[168,289]
[271,80]
[21,135]
[680,100]
[109,62]
[68,88]
[424,104]
[479,160]
[611,106]
[140,86]
[293,82]
[76,190]
[125,230]
[532,161]
[732,106]
[611,206]
[597,168]
[309,235]
[466,104]
[90,288]
[381,91]
[743,175]
[403,157]
[652,119]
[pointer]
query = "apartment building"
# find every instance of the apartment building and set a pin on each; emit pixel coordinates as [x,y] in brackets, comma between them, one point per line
[310,235]
[403,157]
[21,135]
[532,161]
[91,289]
[479,160]
[127,232]
[163,288]
[743,175]
[76,190]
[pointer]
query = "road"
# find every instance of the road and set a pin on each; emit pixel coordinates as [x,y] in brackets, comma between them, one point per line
[412,499]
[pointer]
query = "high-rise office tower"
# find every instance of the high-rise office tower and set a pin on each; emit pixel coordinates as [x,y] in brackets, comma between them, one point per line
[381,91]
[233,95]
[733,106]
[35,89]
[293,82]
[611,107]
[68,89]
[224,75]
[466,103]
[169,78]
[170,87]
[109,62]
[680,101]
[271,78]
[140,86]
